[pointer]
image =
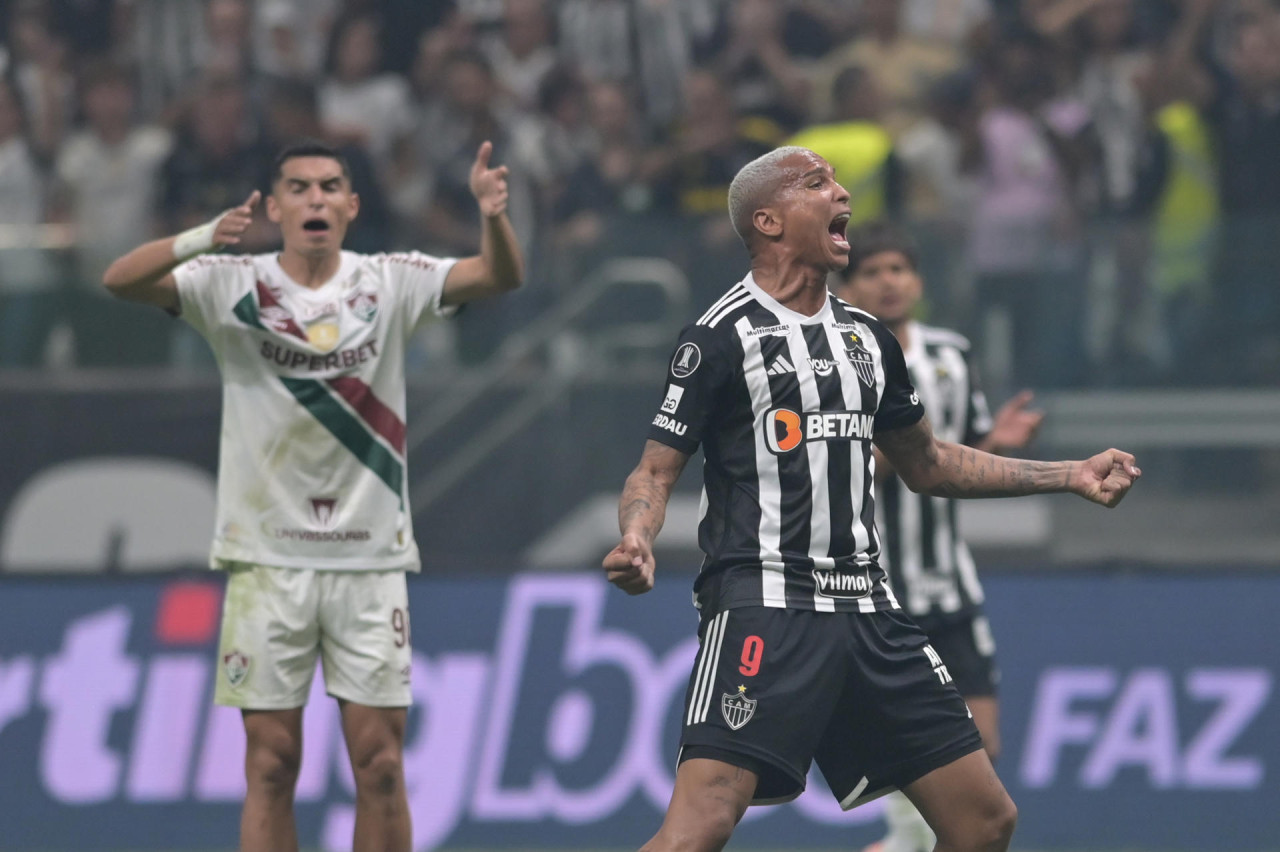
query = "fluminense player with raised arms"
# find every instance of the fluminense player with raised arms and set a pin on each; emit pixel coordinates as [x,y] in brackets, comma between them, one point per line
[805,652]
[313,528]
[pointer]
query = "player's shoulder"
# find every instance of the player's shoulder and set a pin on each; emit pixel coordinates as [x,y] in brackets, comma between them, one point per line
[726,310]
[403,260]
[227,265]
[855,314]
[938,336]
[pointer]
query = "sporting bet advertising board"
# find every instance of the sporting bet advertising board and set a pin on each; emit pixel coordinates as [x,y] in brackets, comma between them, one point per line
[1139,712]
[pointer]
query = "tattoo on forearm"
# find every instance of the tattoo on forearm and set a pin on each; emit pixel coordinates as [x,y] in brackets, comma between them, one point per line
[642,507]
[967,472]
[954,470]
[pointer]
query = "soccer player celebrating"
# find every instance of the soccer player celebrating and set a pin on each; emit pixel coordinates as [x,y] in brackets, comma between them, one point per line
[930,568]
[314,528]
[805,651]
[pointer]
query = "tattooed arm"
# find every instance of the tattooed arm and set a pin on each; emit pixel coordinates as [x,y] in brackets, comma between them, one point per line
[945,469]
[641,511]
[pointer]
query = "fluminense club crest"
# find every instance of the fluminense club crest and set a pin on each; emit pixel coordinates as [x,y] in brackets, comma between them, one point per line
[364,306]
[235,665]
[737,708]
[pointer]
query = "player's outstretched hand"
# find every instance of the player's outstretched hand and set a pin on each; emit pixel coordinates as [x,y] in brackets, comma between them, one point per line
[1106,478]
[489,186]
[629,566]
[1015,425]
[232,224]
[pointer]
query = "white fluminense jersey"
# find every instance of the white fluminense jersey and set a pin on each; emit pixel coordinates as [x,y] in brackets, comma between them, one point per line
[312,467]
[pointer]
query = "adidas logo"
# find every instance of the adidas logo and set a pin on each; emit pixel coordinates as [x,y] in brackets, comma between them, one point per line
[781,366]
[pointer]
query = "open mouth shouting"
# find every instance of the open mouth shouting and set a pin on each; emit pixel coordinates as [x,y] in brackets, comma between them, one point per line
[837,230]
[317,226]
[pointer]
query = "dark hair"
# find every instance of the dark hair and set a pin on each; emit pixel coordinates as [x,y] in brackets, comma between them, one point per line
[307,148]
[872,238]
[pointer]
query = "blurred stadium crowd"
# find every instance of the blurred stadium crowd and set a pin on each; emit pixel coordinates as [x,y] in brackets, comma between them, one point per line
[1094,184]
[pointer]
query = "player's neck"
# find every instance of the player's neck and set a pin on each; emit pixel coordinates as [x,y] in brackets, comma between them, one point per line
[796,286]
[310,271]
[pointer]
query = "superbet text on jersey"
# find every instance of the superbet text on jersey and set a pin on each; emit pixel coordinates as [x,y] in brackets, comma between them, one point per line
[312,475]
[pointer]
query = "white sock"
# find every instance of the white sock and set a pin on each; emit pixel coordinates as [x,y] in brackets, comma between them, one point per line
[908,832]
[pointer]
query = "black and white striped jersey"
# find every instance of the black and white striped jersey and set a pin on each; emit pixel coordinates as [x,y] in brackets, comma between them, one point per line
[784,407]
[929,564]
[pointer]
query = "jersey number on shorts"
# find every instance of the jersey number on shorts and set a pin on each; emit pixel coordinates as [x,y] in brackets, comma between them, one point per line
[752,654]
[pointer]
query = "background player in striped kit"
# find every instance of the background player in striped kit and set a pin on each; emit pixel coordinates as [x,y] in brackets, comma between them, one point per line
[929,564]
[805,652]
[314,529]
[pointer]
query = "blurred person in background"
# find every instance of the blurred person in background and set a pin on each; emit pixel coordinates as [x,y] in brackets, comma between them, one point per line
[218,157]
[760,52]
[860,149]
[707,147]
[226,44]
[361,103]
[903,66]
[940,154]
[523,52]
[314,528]
[930,568]
[1024,230]
[42,75]
[952,22]
[108,189]
[554,138]
[29,297]
[449,130]
[1113,56]
[607,205]
[649,44]
[1179,176]
[1241,98]
[290,36]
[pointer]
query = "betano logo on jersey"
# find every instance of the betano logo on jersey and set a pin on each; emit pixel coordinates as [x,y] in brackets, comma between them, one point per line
[784,429]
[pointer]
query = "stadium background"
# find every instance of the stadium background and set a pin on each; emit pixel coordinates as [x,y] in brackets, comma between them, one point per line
[1096,195]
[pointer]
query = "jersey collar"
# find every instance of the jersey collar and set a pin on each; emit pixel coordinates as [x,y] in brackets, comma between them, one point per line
[783,312]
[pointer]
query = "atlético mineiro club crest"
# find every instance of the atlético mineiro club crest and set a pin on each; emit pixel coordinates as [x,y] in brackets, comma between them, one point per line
[235,665]
[860,358]
[737,708]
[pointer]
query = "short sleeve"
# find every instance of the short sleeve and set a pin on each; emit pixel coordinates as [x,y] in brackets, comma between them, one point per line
[899,404]
[697,376]
[418,279]
[203,294]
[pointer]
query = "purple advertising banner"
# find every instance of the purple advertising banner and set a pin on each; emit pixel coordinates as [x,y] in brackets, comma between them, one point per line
[1139,712]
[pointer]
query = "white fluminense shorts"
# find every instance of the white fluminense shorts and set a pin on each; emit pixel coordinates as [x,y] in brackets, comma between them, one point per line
[276,620]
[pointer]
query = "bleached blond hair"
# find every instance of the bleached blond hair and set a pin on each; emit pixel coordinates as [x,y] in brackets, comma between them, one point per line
[754,186]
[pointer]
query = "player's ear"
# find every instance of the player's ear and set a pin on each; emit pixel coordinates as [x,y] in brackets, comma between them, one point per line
[766,221]
[273,209]
[353,208]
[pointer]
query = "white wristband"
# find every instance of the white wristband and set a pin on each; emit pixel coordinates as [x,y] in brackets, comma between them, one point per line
[197,240]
